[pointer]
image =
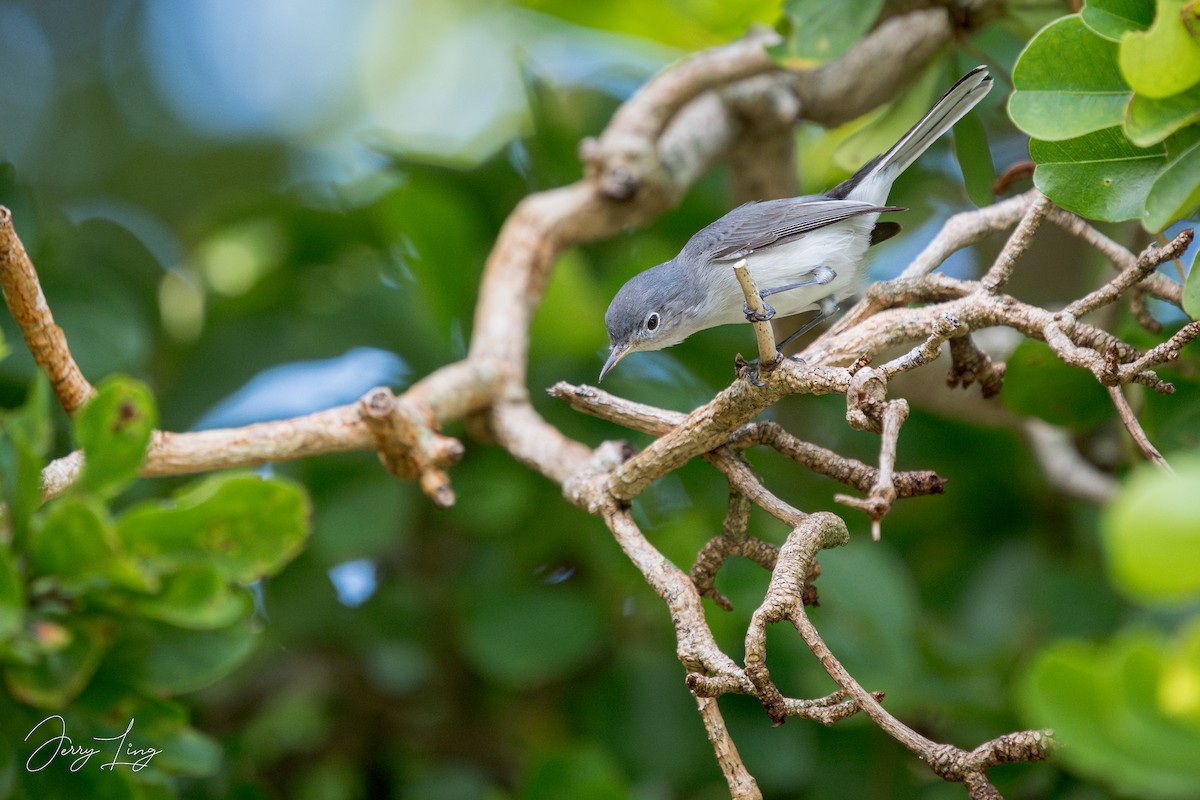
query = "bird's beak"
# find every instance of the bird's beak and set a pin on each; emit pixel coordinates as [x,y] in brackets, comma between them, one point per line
[619,351]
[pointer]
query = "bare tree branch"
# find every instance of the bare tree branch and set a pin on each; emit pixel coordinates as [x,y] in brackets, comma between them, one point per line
[734,103]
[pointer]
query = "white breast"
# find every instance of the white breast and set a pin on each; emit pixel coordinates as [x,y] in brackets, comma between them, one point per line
[841,247]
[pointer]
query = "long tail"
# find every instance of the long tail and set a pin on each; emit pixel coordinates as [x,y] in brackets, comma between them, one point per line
[873,182]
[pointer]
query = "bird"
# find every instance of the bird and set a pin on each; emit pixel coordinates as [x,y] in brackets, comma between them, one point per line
[806,253]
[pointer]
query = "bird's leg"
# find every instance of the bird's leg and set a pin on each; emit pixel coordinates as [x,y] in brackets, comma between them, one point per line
[829,307]
[820,276]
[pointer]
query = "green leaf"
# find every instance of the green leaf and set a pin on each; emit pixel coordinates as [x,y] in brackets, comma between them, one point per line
[114,429]
[1114,18]
[1067,83]
[1176,191]
[1038,384]
[1165,59]
[197,597]
[1149,121]
[164,658]
[62,673]
[1100,176]
[156,722]
[1118,710]
[1151,534]
[1191,289]
[76,546]
[73,539]
[12,596]
[242,525]
[818,31]
[24,441]
[975,159]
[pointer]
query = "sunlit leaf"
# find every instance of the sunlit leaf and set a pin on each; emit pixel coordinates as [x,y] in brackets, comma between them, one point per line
[1149,120]
[1067,83]
[114,429]
[1165,59]
[1191,289]
[1152,534]
[818,31]
[1100,175]
[1176,191]
[1114,18]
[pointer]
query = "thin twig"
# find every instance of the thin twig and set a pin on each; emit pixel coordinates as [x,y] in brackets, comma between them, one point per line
[742,785]
[763,335]
[1001,270]
[1138,434]
[46,341]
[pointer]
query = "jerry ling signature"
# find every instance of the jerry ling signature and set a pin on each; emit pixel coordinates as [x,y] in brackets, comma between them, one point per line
[59,744]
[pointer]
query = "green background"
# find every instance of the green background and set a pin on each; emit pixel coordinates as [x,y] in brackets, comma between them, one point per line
[208,191]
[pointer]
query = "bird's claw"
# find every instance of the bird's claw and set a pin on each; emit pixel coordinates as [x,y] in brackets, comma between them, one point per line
[752,374]
[766,315]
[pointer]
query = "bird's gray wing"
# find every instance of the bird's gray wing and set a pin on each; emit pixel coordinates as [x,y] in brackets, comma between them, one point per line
[754,226]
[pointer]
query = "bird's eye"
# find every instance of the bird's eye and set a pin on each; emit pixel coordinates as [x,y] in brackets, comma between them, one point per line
[652,322]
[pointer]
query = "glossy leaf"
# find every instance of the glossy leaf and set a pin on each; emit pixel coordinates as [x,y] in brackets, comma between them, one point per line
[1149,120]
[1100,175]
[1067,83]
[1114,18]
[817,31]
[1151,534]
[1176,191]
[242,525]
[114,429]
[1165,59]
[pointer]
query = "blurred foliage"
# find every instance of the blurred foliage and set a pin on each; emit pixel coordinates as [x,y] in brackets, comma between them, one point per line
[1112,98]
[1127,709]
[504,648]
[103,616]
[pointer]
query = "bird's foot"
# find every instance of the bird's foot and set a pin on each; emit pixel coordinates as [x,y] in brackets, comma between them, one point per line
[766,315]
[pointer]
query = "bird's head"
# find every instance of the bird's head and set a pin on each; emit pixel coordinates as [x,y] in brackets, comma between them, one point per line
[654,309]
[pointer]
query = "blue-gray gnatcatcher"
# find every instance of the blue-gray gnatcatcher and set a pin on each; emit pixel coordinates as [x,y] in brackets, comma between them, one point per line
[810,251]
